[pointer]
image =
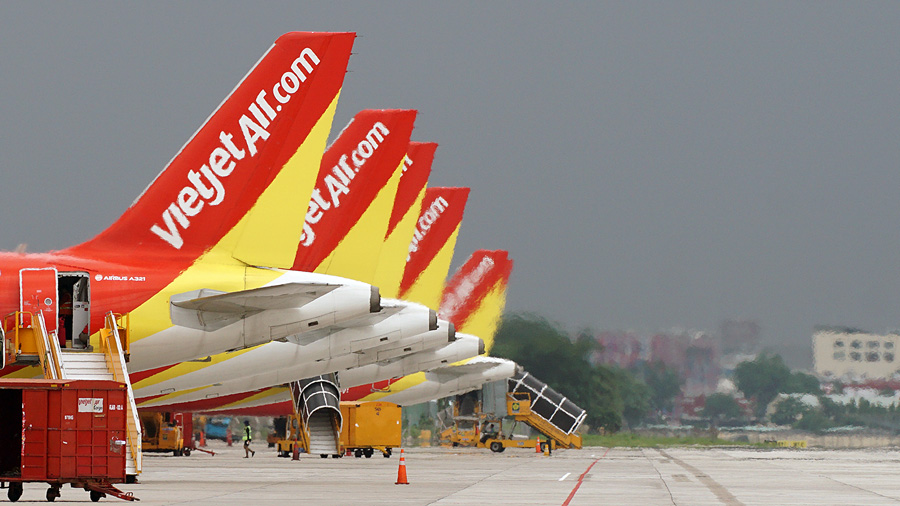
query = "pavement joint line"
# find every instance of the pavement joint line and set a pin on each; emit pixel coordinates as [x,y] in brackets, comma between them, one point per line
[715,487]
[663,480]
[581,478]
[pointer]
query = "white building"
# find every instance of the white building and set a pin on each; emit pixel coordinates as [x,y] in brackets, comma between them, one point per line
[854,354]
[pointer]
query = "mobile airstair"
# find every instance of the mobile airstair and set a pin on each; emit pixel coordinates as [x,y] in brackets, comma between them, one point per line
[531,401]
[27,342]
[317,400]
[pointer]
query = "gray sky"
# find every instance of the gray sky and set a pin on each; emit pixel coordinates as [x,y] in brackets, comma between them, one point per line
[647,165]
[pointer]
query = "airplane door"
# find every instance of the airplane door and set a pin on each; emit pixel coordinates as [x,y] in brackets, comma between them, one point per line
[37,293]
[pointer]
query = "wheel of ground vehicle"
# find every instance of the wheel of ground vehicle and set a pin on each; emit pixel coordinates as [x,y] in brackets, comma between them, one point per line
[387,453]
[323,455]
[357,453]
[96,496]
[496,447]
[186,452]
[52,494]
[336,455]
[177,453]
[14,492]
[368,452]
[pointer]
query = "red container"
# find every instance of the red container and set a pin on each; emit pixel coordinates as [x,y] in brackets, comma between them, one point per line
[69,431]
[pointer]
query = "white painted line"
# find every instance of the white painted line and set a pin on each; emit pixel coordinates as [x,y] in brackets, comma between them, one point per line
[564,476]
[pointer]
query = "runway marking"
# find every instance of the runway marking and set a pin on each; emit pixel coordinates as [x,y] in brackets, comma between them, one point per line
[581,479]
[564,477]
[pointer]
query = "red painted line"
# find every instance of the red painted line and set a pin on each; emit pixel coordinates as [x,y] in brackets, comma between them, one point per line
[581,478]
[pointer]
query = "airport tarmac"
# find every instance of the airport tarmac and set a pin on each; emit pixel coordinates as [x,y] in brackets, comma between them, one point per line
[592,476]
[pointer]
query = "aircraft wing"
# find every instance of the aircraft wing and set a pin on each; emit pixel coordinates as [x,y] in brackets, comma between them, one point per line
[210,310]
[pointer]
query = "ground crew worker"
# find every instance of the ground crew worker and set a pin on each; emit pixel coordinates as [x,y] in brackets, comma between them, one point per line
[247,438]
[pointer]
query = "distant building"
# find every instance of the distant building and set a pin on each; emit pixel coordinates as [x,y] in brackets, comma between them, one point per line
[854,354]
[621,348]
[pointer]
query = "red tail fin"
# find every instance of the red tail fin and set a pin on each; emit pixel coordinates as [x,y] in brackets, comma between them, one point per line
[402,224]
[222,170]
[355,169]
[482,273]
[416,169]
[431,249]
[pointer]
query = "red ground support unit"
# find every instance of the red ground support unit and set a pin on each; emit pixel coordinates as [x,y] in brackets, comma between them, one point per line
[70,431]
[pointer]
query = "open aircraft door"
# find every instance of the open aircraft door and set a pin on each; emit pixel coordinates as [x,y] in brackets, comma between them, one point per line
[37,293]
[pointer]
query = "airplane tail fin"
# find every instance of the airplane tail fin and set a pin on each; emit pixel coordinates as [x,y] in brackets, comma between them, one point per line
[277,118]
[476,294]
[431,248]
[410,193]
[350,208]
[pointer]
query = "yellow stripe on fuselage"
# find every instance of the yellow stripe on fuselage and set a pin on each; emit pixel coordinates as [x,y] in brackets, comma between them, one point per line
[429,286]
[156,400]
[408,381]
[394,251]
[356,256]
[187,368]
[252,400]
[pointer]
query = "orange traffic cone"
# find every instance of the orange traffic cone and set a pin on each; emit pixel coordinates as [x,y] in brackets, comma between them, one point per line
[202,438]
[537,446]
[296,452]
[401,471]
[228,436]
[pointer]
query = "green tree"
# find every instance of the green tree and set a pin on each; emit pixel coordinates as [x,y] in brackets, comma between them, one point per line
[635,394]
[665,385]
[802,383]
[720,407]
[761,379]
[789,411]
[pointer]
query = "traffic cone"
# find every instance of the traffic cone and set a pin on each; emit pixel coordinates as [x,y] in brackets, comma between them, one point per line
[401,471]
[228,436]
[202,438]
[296,453]
[537,447]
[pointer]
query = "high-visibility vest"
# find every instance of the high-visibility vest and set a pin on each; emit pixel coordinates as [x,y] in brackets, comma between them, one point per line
[246,433]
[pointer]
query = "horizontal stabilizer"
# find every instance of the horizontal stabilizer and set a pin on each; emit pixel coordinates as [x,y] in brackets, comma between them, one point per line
[451,372]
[312,336]
[210,310]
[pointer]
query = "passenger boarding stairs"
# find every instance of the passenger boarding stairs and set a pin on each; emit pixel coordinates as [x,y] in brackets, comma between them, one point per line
[29,343]
[540,407]
[318,402]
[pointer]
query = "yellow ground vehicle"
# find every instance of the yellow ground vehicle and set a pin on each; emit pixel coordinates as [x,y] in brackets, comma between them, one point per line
[370,426]
[487,430]
[366,427]
[161,434]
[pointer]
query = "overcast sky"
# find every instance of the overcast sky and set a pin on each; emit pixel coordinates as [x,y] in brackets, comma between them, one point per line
[648,165]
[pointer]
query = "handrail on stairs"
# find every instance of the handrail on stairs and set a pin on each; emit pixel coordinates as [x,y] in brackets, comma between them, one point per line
[12,331]
[111,346]
[51,353]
